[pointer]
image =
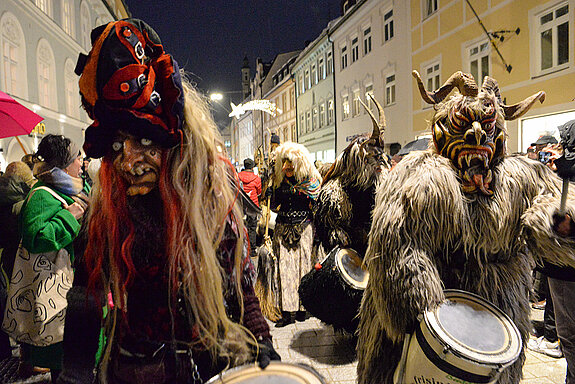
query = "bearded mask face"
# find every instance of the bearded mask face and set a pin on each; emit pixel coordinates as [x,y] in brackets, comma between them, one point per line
[469,129]
[470,132]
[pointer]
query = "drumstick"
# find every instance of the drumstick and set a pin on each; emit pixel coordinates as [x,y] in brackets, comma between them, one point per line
[564,193]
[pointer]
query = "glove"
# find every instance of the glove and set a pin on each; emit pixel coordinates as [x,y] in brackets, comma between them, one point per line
[267,353]
[563,225]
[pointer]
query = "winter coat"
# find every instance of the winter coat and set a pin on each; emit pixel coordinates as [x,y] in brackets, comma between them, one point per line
[252,185]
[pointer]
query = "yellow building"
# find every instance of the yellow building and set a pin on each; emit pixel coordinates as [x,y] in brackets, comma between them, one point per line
[526,45]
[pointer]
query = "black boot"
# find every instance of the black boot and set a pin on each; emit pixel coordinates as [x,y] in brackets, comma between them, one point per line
[287,318]
[301,315]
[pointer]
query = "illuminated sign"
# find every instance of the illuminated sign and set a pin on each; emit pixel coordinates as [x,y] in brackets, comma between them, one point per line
[39,129]
[260,105]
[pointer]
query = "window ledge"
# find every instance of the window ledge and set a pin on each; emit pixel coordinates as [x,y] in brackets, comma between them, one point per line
[550,72]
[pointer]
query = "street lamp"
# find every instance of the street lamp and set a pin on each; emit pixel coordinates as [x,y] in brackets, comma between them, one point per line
[216,96]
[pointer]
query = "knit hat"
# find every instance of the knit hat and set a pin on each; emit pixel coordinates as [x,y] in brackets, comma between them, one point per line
[129,83]
[545,139]
[275,139]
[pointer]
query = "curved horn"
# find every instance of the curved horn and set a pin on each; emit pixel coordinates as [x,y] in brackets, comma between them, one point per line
[515,111]
[463,81]
[377,126]
[491,85]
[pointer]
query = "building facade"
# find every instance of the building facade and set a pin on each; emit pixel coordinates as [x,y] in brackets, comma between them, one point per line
[314,89]
[281,92]
[528,47]
[372,46]
[40,41]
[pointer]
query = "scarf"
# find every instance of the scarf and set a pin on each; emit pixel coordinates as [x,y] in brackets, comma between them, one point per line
[308,186]
[59,180]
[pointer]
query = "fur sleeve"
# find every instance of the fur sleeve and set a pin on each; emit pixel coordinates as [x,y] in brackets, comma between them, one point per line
[332,215]
[541,239]
[418,207]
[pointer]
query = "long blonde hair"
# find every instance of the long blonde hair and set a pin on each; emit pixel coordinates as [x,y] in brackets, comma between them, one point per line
[199,202]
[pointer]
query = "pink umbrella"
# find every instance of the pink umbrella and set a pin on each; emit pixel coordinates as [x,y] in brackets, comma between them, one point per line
[15,119]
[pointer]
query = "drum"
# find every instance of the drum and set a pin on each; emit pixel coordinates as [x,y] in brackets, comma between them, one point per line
[465,340]
[332,291]
[275,373]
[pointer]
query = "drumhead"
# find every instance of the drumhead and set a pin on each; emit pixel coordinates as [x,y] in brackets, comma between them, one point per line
[350,266]
[475,329]
[275,373]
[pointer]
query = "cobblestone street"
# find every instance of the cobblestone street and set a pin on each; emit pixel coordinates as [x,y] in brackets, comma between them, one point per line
[332,354]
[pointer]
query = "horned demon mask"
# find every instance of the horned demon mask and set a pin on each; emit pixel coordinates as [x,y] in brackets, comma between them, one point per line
[469,128]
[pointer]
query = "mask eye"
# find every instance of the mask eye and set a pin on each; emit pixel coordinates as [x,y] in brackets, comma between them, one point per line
[117,145]
[145,141]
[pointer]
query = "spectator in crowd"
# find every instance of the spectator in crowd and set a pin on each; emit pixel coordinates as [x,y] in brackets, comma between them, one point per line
[295,184]
[252,186]
[15,184]
[46,225]
[546,341]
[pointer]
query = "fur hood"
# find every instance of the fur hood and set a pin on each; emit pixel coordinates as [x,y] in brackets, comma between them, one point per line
[301,160]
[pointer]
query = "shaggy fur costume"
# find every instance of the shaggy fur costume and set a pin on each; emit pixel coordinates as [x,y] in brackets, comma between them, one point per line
[342,218]
[429,235]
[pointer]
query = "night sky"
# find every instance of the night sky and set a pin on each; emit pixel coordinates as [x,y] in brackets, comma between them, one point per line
[209,38]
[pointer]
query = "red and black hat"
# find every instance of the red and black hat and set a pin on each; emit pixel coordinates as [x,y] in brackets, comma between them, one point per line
[129,83]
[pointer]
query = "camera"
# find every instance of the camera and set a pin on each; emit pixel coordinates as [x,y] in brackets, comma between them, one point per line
[544,157]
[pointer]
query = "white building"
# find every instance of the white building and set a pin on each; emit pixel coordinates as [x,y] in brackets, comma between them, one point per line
[372,54]
[314,80]
[40,41]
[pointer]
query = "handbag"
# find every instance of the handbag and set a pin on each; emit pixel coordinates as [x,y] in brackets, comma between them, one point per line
[36,304]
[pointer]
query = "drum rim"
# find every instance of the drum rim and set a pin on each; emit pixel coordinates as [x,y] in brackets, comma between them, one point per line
[504,357]
[344,273]
[272,364]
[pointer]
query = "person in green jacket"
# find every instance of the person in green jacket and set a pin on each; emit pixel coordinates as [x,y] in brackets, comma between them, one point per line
[46,225]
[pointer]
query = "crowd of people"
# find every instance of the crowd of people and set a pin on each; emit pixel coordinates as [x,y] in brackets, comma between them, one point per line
[131,259]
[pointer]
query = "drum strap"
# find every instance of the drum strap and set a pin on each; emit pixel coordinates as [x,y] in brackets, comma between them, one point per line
[444,365]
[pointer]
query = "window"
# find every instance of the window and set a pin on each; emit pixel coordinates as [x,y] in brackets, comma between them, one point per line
[479,61]
[313,74]
[432,77]
[368,91]
[367,40]
[553,38]
[390,89]
[302,123]
[68,16]
[45,6]
[345,106]
[329,63]
[388,26]
[307,80]
[46,75]
[308,122]
[293,133]
[430,6]
[344,57]
[71,90]
[85,26]
[292,98]
[354,50]
[301,85]
[13,56]
[330,111]
[314,119]
[321,68]
[321,115]
[284,102]
[356,103]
